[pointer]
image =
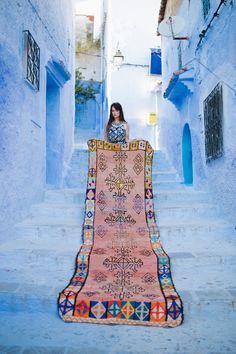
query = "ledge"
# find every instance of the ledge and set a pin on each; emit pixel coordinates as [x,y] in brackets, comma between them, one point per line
[58,71]
[180,86]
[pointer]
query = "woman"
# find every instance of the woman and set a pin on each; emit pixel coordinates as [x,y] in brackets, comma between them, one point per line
[117,129]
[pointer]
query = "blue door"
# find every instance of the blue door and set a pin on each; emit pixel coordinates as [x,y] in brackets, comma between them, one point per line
[187,155]
[52,131]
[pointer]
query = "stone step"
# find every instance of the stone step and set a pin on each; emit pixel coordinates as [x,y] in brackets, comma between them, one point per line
[186,213]
[59,233]
[169,175]
[72,182]
[167,185]
[159,184]
[54,258]
[79,170]
[75,212]
[193,228]
[212,274]
[77,218]
[45,237]
[79,152]
[211,239]
[159,156]
[72,212]
[194,238]
[77,166]
[78,179]
[186,196]
[65,195]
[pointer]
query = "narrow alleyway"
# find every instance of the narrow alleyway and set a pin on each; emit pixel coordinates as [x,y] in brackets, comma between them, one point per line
[39,261]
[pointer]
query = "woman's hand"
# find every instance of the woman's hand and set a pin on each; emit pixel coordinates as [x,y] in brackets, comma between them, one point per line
[105,134]
[127,133]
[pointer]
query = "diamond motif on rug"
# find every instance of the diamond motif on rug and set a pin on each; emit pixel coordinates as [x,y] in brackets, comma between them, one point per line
[101,230]
[158,311]
[98,309]
[127,310]
[138,164]
[101,201]
[114,309]
[142,311]
[102,162]
[138,204]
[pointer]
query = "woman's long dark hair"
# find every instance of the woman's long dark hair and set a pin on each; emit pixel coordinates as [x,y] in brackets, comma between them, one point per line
[118,107]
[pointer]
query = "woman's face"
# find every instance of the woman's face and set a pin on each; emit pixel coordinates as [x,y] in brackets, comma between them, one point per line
[115,113]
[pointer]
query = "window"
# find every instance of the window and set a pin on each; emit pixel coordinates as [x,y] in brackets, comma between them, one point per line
[213,121]
[31,60]
[206,7]
[155,61]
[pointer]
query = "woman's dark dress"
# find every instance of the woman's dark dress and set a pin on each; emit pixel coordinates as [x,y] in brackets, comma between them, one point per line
[117,133]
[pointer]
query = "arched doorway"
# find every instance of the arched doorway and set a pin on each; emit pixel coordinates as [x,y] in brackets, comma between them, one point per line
[187,155]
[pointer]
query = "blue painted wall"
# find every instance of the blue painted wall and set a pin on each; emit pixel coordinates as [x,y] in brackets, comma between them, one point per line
[89,116]
[217,52]
[29,119]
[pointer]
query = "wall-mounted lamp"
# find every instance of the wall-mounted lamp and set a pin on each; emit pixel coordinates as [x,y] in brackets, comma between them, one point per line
[118,60]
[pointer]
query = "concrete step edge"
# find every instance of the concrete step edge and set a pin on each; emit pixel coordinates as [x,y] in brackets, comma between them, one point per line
[197,223]
[23,291]
[188,190]
[76,205]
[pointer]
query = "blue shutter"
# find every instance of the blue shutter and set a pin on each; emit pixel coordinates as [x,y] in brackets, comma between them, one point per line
[155,61]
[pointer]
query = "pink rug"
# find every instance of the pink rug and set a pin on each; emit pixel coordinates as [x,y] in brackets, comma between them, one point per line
[122,273]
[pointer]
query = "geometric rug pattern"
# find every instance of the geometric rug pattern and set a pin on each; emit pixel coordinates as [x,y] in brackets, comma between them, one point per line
[122,273]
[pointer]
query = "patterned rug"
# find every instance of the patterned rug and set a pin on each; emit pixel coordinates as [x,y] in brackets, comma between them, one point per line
[122,273]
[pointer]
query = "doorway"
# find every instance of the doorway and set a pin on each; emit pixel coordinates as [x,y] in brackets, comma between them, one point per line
[187,155]
[52,131]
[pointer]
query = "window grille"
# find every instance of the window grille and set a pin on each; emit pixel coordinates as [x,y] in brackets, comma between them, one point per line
[213,121]
[206,7]
[31,60]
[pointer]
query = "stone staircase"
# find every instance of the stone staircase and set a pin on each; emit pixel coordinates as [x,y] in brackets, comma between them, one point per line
[38,261]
